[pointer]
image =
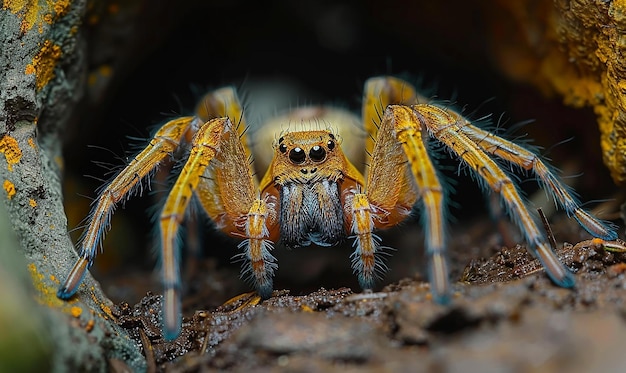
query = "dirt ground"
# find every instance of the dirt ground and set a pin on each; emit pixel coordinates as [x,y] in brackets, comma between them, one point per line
[506,316]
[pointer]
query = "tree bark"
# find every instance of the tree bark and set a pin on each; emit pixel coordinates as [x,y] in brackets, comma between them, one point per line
[42,78]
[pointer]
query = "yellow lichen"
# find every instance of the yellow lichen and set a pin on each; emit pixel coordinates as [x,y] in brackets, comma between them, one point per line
[61,7]
[30,69]
[573,49]
[31,143]
[90,325]
[47,296]
[11,150]
[37,13]
[108,314]
[76,311]
[47,292]
[44,63]
[32,203]
[32,268]
[9,188]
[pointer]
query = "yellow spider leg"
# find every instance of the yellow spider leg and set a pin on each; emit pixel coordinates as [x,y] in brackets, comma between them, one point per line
[526,159]
[227,189]
[258,263]
[164,142]
[445,126]
[205,145]
[378,93]
[366,244]
[227,192]
[390,189]
[389,181]
[224,102]
[401,124]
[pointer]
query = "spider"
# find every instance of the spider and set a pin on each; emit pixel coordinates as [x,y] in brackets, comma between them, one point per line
[312,194]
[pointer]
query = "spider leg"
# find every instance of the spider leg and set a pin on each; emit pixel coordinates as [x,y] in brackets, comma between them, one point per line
[223,102]
[401,131]
[228,193]
[527,160]
[366,245]
[378,93]
[446,127]
[258,262]
[164,142]
[219,174]
[393,187]
[205,146]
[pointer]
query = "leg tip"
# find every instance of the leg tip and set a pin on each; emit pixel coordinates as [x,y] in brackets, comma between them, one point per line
[171,332]
[64,293]
[366,282]
[74,279]
[568,280]
[442,299]
[265,290]
[172,312]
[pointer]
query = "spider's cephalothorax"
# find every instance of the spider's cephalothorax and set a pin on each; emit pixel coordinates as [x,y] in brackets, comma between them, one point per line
[312,193]
[308,172]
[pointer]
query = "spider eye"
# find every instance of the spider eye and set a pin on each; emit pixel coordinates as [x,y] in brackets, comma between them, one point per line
[331,144]
[317,153]
[283,148]
[297,155]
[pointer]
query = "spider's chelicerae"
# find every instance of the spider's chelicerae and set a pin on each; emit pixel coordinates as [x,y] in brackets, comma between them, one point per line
[312,194]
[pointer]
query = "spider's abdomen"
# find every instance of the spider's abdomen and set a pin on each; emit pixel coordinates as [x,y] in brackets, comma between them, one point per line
[311,213]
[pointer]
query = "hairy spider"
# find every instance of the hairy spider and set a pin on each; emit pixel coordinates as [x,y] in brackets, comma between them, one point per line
[312,194]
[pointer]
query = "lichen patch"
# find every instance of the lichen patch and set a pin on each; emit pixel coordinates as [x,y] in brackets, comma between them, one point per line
[47,293]
[9,187]
[36,13]
[44,63]
[76,311]
[11,150]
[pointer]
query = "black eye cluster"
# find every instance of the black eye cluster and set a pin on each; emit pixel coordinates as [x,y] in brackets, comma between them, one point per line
[317,153]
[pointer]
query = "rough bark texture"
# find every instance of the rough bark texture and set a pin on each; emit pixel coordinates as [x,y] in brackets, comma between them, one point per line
[42,76]
[574,49]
